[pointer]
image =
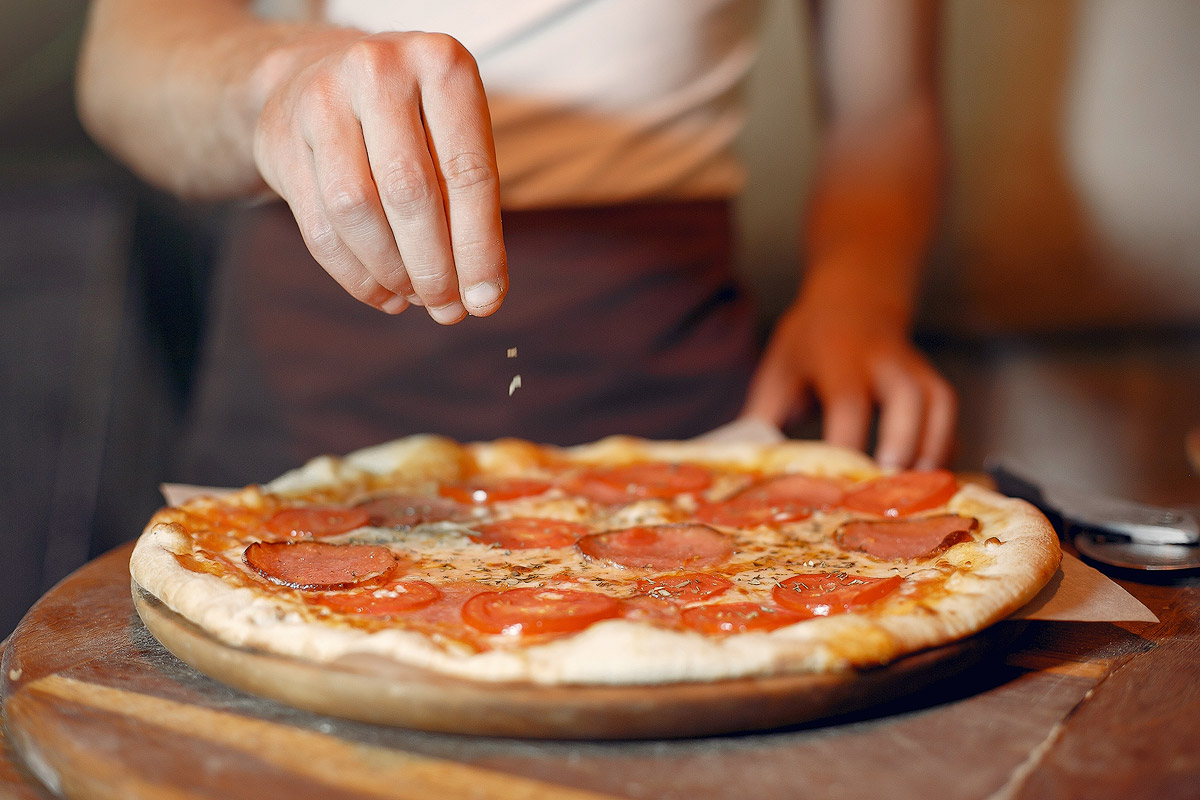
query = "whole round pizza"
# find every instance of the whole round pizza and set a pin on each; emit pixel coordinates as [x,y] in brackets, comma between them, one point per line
[622,562]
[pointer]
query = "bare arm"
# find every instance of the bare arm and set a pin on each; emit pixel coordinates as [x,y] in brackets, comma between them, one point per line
[380,144]
[846,337]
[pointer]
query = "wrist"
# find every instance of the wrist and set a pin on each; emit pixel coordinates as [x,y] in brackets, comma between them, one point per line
[873,285]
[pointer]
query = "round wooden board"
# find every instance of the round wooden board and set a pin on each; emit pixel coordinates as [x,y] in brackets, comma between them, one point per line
[377,690]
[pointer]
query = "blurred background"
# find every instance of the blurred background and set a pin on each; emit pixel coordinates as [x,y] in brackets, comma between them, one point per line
[1062,299]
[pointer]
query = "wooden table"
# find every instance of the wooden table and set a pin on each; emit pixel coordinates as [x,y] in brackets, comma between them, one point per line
[97,708]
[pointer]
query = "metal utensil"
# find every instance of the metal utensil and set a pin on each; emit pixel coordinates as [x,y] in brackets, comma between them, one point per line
[1118,532]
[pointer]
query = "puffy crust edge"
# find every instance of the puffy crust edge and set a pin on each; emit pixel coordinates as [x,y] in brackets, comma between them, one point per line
[1002,578]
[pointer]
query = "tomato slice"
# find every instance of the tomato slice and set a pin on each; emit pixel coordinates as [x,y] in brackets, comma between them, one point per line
[737,618]
[660,547]
[821,594]
[316,521]
[684,587]
[903,493]
[393,601]
[642,481]
[522,533]
[538,610]
[493,490]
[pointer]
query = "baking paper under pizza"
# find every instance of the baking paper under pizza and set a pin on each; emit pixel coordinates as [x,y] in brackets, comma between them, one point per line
[625,561]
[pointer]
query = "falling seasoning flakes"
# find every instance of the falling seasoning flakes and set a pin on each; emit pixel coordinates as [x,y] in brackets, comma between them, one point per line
[515,383]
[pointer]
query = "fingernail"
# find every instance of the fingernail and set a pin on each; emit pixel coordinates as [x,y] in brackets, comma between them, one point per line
[481,296]
[447,314]
[395,305]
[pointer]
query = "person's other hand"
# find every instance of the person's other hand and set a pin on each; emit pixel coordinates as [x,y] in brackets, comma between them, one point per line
[382,147]
[854,358]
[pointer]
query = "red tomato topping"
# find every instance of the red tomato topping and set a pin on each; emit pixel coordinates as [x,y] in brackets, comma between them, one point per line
[316,521]
[493,490]
[320,565]
[649,480]
[532,611]
[661,547]
[393,601]
[903,493]
[737,618]
[822,594]
[520,533]
[684,587]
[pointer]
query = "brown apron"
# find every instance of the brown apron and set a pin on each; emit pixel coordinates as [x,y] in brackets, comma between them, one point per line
[624,320]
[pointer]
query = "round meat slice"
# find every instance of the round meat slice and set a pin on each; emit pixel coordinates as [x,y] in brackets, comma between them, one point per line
[812,491]
[659,547]
[316,522]
[908,539]
[408,511]
[774,501]
[320,565]
[523,533]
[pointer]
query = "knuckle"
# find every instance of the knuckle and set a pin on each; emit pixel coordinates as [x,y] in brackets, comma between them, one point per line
[368,291]
[320,99]
[348,200]
[441,55]
[320,235]
[435,288]
[406,186]
[370,59]
[469,171]
[393,276]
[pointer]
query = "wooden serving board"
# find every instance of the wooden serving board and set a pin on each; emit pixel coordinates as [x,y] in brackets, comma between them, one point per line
[95,707]
[377,690]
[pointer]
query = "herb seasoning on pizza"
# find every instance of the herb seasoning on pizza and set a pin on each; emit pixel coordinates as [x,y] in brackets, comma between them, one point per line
[625,561]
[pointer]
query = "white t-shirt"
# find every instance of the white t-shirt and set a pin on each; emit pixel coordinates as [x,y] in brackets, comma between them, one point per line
[597,101]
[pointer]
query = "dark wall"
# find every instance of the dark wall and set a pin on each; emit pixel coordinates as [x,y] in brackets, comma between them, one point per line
[100,287]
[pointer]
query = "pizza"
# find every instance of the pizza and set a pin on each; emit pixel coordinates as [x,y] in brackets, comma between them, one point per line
[620,562]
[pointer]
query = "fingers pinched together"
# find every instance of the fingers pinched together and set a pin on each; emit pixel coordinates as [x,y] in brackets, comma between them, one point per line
[383,150]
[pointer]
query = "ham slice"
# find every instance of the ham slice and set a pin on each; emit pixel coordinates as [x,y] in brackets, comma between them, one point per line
[906,539]
[319,565]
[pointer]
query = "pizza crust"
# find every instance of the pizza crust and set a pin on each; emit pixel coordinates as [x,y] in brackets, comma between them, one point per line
[1003,575]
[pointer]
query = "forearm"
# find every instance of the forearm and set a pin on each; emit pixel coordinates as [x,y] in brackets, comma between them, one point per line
[873,209]
[875,200]
[174,89]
